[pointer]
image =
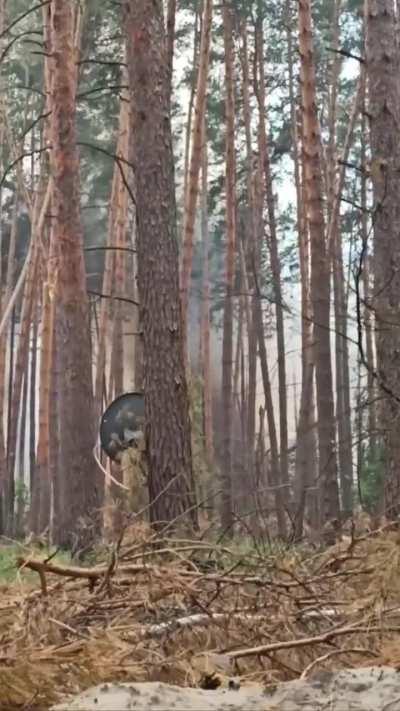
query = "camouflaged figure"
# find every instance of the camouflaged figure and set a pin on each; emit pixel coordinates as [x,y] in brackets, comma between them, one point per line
[132,458]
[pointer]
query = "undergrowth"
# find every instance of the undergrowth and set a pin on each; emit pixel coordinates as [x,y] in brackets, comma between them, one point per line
[9,573]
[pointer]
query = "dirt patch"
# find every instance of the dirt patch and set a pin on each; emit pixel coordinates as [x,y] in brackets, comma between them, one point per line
[369,689]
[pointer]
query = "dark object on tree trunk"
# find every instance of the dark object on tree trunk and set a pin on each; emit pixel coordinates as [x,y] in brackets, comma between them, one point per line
[121,423]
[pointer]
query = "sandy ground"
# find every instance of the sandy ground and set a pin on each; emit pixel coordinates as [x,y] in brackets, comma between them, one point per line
[367,689]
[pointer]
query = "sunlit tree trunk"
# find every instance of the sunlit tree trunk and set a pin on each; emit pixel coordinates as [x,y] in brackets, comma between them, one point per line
[192,190]
[110,284]
[79,483]
[306,475]
[42,492]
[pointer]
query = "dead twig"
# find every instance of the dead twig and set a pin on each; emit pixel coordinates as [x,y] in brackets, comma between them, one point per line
[334,653]
[266,649]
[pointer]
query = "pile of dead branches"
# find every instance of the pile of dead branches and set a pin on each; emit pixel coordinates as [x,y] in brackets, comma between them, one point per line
[191,612]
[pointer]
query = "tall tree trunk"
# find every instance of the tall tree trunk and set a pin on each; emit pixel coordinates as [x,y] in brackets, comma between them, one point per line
[343,411]
[205,311]
[382,58]
[79,482]
[306,482]
[269,408]
[21,461]
[306,475]
[227,338]
[110,283]
[172,491]
[192,191]
[272,243]
[253,256]
[9,283]
[320,271]
[188,127]
[41,500]
[119,287]
[32,401]
[21,368]
[367,289]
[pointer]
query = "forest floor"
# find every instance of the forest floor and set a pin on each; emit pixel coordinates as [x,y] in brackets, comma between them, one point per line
[195,614]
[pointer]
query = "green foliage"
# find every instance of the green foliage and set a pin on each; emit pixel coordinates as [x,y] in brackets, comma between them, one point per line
[9,554]
[21,492]
[372,477]
[204,472]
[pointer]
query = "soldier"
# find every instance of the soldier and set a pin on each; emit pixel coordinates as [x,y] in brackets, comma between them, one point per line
[134,470]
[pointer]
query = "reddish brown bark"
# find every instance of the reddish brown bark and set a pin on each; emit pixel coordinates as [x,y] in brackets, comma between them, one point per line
[111,285]
[320,271]
[79,484]
[172,491]
[41,501]
[205,311]
[192,191]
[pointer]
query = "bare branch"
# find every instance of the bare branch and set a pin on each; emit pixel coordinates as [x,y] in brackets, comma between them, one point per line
[115,298]
[24,14]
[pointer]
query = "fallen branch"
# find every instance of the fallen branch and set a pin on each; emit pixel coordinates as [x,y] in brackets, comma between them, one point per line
[266,649]
[335,653]
[71,571]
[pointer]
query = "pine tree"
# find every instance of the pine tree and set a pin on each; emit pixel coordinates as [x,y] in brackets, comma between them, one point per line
[166,394]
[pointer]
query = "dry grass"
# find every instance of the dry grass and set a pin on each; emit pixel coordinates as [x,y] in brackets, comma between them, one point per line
[338,608]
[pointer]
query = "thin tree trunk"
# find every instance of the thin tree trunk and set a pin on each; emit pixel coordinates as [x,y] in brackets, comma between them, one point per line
[197,142]
[119,287]
[320,272]
[3,341]
[32,402]
[269,408]
[188,128]
[205,312]
[367,289]
[107,306]
[253,255]
[272,243]
[21,368]
[41,499]
[343,411]
[227,338]
[306,475]
[20,487]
